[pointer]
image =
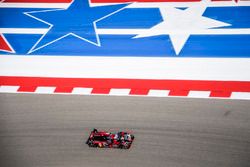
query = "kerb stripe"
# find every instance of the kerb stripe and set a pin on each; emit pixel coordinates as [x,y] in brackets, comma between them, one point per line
[95,1]
[136,86]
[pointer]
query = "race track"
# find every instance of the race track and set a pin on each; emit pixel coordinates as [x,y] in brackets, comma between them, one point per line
[50,130]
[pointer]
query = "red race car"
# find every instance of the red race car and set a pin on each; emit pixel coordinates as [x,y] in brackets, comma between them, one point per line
[104,139]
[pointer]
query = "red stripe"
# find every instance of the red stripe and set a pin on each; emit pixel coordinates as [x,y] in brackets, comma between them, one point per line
[4,45]
[38,1]
[96,1]
[220,94]
[100,90]
[137,86]
[27,88]
[63,89]
[138,91]
[178,93]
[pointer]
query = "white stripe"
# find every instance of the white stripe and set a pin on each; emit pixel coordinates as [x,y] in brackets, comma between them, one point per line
[159,93]
[45,90]
[34,5]
[9,89]
[240,95]
[228,31]
[177,32]
[188,4]
[134,5]
[228,69]
[119,91]
[23,30]
[83,91]
[199,94]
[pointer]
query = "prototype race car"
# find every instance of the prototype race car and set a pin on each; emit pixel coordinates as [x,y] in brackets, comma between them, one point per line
[104,139]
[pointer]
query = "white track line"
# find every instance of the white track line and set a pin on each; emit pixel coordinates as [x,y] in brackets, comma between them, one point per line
[133,5]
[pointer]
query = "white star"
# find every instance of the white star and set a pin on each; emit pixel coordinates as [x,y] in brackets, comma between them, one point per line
[180,24]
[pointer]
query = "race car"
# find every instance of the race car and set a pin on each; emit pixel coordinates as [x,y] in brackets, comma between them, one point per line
[102,139]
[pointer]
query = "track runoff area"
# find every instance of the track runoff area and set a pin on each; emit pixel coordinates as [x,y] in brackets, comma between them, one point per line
[51,130]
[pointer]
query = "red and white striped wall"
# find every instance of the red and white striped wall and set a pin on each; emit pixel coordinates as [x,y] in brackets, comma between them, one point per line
[185,77]
[125,87]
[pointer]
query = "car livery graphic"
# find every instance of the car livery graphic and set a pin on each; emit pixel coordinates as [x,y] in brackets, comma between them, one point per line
[195,48]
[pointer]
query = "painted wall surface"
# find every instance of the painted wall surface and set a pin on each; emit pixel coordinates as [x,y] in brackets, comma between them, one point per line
[194,48]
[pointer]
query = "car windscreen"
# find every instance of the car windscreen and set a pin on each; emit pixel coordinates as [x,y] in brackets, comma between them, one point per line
[100,138]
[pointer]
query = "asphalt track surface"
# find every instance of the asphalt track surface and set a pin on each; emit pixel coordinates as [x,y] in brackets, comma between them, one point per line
[50,131]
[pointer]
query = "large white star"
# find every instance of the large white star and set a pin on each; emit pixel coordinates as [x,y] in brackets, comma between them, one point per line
[179,24]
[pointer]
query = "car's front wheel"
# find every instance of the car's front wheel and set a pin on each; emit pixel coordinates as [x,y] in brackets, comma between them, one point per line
[125,145]
[91,144]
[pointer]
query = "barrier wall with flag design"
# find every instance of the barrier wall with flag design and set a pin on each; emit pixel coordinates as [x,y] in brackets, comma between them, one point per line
[171,48]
